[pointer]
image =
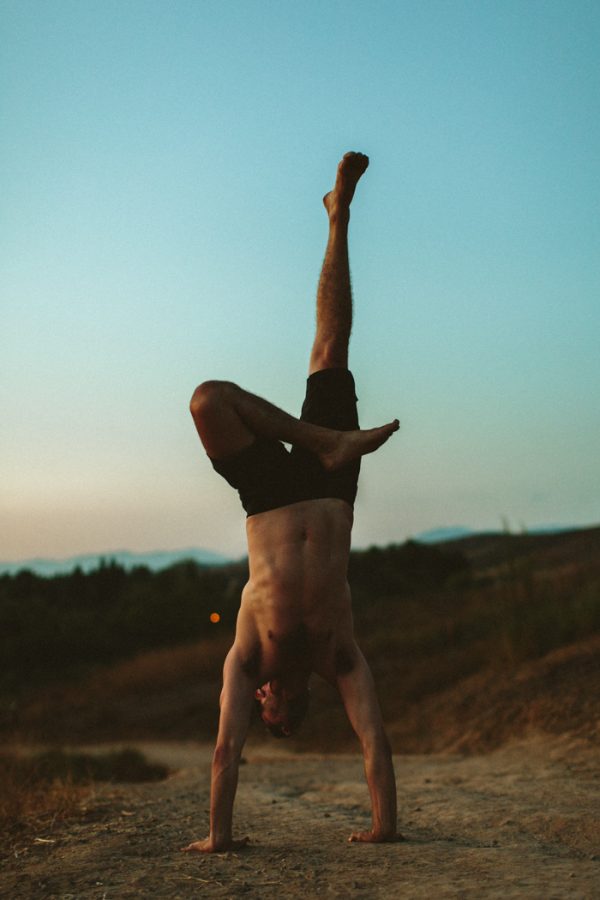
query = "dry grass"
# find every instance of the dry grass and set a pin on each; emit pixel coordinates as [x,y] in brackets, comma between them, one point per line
[39,790]
[152,693]
[162,669]
[32,803]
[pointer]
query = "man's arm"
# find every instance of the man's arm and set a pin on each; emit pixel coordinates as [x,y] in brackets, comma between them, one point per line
[236,707]
[357,690]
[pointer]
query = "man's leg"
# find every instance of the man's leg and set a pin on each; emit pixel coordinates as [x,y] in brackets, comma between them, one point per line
[229,419]
[334,294]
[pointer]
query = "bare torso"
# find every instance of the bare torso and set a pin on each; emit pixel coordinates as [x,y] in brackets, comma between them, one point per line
[295,613]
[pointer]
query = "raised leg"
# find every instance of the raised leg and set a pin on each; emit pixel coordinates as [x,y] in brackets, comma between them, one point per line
[334,293]
[228,419]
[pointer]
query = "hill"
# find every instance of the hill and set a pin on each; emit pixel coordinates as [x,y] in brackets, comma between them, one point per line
[471,642]
[572,547]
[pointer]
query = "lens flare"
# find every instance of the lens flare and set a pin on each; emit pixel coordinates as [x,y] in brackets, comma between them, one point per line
[215,617]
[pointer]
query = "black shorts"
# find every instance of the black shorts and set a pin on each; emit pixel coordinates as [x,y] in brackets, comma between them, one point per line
[267,475]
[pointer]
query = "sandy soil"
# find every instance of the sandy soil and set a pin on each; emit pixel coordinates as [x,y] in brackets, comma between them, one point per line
[519,822]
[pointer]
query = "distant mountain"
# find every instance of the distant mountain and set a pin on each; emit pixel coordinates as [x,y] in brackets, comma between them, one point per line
[456,532]
[449,533]
[160,559]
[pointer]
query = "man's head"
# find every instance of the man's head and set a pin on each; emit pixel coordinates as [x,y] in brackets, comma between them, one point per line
[281,710]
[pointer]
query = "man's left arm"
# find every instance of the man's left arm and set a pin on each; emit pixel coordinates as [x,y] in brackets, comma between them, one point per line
[357,691]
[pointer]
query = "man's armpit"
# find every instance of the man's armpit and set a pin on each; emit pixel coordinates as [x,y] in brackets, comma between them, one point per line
[345,660]
[250,661]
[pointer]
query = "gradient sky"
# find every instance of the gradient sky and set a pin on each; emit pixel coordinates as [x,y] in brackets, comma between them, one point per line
[162,166]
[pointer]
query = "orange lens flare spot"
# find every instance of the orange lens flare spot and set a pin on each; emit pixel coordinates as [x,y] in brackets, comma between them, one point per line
[215,617]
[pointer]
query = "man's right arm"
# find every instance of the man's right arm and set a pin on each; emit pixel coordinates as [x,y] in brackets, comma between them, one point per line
[236,707]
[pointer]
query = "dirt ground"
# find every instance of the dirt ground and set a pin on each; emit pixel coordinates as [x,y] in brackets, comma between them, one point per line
[522,822]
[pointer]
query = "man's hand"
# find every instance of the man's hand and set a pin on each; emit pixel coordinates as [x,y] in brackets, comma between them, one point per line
[373,837]
[210,845]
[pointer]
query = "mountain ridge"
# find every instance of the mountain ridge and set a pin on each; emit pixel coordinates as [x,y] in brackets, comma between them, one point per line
[154,560]
[162,559]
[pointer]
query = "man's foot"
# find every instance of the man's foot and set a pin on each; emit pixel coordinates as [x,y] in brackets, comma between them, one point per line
[352,166]
[349,445]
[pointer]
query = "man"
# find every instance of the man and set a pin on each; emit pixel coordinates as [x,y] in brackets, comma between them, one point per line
[295,616]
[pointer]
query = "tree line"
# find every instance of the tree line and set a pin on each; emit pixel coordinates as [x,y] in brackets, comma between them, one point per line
[62,626]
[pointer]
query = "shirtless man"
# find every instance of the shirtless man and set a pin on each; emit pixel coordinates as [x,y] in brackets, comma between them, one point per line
[295,616]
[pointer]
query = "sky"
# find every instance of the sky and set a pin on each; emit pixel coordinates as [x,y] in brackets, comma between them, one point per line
[162,166]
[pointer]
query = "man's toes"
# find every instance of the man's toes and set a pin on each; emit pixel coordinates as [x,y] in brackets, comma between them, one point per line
[354,163]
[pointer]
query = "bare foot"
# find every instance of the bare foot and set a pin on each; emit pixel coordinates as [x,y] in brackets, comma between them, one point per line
[350,169]
[349,445]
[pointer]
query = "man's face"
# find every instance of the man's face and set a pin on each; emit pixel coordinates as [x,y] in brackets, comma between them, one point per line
[274,708]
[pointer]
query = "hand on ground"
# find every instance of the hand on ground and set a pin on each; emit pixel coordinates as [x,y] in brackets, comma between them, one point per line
[372,837]
[209,845]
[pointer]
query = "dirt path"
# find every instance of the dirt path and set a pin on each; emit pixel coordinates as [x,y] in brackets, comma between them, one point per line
[521,822]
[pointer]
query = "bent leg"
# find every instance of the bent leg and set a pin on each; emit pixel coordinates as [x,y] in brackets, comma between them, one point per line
[229,419]
[219,426]
[334,293]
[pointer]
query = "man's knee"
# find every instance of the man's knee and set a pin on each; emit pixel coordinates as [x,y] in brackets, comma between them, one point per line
[209,396]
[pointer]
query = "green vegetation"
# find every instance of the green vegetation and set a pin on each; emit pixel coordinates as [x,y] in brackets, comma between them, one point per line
[63,626]
[125,655]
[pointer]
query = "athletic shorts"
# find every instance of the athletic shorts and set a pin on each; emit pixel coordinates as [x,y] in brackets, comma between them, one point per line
[267,475]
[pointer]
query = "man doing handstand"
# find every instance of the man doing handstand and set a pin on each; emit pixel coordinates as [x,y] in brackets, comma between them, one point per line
[295,616]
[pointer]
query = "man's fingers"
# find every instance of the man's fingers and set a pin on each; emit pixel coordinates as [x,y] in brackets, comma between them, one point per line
[367,837]
[208,847]
[198,846]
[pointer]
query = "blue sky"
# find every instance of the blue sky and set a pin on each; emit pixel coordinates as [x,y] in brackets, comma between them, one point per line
[161,167]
